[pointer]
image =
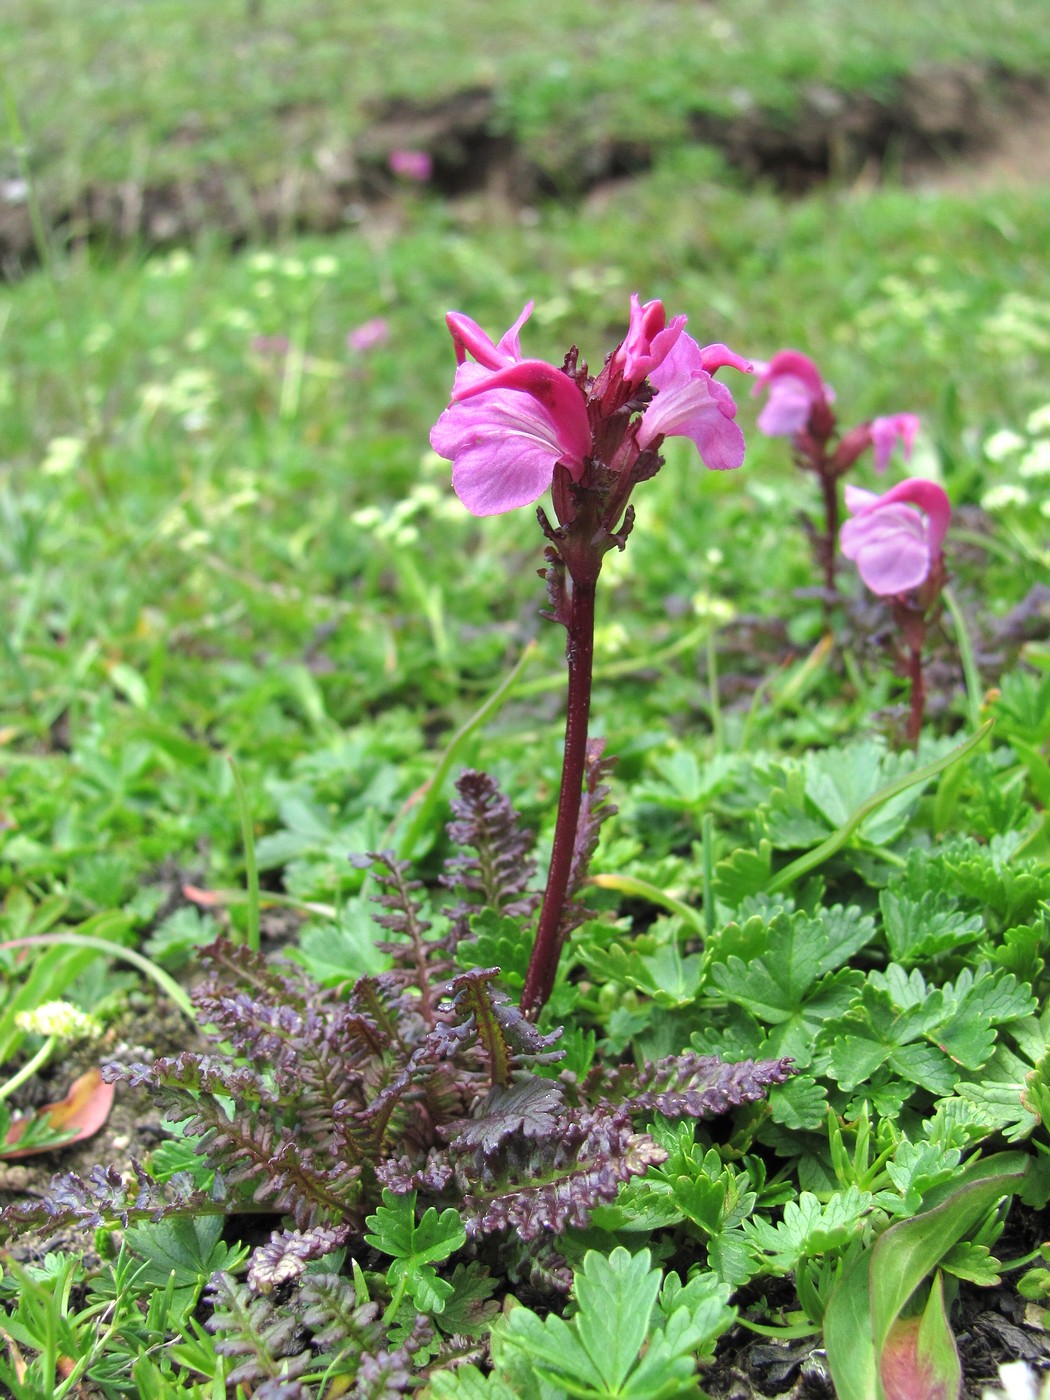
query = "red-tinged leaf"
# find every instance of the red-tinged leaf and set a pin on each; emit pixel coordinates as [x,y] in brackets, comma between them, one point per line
[81,1113]
[909,1251]
[920,1360]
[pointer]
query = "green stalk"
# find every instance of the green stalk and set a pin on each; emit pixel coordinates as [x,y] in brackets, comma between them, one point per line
[707,836]
[642,889]
[168,986]
[30,1067]
[974,689]
[251,869]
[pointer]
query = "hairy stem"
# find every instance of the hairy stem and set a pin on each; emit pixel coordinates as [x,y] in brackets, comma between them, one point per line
[579,652]
[829,489]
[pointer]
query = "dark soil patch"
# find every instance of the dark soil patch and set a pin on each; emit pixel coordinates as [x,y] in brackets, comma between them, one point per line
[962,127]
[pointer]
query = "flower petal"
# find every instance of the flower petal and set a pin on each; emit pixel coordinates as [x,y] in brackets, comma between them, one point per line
[893,544]
[559,396]
[795,390]
[503,445]
[890,549]
[697,407]
[469,338]
[885,433]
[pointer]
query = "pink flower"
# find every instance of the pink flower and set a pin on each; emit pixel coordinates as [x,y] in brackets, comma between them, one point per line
[894,545]
[885,433]
[411,165]
[795,391]
[511,421]
[368,335]
[646,345]
[689,403]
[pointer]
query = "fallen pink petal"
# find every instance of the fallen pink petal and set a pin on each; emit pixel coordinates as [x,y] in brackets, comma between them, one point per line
[81,1113]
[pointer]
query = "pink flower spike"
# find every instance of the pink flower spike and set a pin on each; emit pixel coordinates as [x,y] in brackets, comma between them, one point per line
[689,403]
[795,389]
[411,165]
[368,335]
[885,433]
[505,432]
[894,545]
[469,338]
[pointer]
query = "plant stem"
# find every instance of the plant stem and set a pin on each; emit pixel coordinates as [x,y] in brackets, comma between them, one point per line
[579,653]
[830,492]
[918,695]
[30,1067]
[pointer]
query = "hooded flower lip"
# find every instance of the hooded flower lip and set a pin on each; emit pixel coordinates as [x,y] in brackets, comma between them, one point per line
[469,338]
[648,342]
[795,390]
[689,403]
[507,429]
[893,544]
[885,433]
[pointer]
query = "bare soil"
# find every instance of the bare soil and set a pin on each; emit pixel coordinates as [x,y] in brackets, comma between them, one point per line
[961,129]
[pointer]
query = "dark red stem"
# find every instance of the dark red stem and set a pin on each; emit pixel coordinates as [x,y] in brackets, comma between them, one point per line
[829,488]
[579,652]
[918,694]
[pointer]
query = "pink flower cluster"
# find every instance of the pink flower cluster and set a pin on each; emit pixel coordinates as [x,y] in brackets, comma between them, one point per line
[512,419]
[800,402]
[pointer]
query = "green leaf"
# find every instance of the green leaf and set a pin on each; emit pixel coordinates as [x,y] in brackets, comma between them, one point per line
[801,1104]
[778,978]
[468,1383]
[596,1355]
[416,1247]
[809,1228]
[188,1249]
[922,928]
[742,873]
[841,780]
[848,1341]
[616,1297]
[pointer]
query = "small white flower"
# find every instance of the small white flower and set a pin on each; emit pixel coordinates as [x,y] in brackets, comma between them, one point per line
[1019,1382]
[63,456]
[1003,497]
[1036,461]
[1039,420]
[1003,444]
[710,608]
[60,1019]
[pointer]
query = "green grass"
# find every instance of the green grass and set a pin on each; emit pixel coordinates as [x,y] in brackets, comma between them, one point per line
[151,93]
[209,548]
